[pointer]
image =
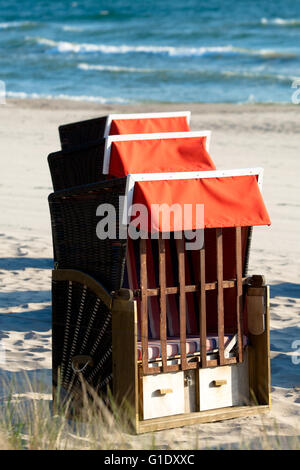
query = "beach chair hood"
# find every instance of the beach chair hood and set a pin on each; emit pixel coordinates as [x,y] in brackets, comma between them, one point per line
[231,200]
[147,123]
[160,153]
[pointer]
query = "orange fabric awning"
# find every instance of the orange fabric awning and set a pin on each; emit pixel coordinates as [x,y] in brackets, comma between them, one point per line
[149,125]
[231,201]
[159,156]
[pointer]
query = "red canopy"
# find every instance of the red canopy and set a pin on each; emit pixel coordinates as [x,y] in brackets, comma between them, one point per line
[149,125]
[228,201]
[156,154]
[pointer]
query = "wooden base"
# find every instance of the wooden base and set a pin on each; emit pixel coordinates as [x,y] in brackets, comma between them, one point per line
[258,370]
[128,376]
[169,422]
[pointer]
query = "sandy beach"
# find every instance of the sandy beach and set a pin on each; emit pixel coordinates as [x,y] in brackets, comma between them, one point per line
[242,136]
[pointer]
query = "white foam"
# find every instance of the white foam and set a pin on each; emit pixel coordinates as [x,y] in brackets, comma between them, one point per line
[15,24]
[72,28]
[280,21]
[113,68]
[96,99]
[257,75]
[64,47]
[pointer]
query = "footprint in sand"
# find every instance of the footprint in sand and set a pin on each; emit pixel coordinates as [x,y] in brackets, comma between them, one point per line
[273,305]
[39,349]
[32,335]
[3,335]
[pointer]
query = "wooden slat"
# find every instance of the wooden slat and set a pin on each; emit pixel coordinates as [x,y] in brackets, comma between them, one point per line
[230,360]
[219,243]
[144,304]
[191,360]
[212,363]
[159,369]
[191,364]
[209,416]
[227,284]
[163,301]
[202,309]
[182,301]
[261,359]
[239,291]
[256,310]
[124,346]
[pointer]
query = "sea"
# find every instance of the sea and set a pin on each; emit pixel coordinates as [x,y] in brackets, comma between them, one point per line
[132,51]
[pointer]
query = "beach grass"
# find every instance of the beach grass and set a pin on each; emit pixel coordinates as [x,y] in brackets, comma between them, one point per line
[30,421]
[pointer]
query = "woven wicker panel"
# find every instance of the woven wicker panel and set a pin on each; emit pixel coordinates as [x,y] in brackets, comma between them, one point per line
[83,132]
[81,325]
[77,167]
[74,222]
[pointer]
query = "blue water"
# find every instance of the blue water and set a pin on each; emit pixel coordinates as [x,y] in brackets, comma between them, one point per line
[121,51]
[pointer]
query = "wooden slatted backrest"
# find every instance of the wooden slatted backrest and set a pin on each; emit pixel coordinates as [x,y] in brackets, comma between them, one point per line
[200,289]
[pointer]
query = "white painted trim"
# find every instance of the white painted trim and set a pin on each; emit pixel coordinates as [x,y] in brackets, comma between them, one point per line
[132,178]
[111,117]
[230,345]
[163,135]
[129,190]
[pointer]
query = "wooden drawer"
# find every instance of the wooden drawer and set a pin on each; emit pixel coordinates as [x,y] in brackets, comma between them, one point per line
[163,395]
[224,386]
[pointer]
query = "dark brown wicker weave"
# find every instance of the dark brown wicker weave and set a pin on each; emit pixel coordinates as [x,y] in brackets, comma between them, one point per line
[74,222]
[81,335]
[247,254]
[83,132]
[77,167]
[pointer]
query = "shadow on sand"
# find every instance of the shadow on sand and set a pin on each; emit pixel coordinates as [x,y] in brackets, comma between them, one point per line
[285,289]
[18,263]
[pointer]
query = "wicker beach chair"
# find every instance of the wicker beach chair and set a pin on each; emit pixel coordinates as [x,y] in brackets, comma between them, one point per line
[90,163]
[90,131]
[200,368]
[123,155]
[81,159]
[103,160]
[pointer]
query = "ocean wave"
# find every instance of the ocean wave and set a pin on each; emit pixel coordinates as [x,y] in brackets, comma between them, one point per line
[115,68]
[70,47]
[75,29]
[280,21]
[194,72]
[260,76]
[95,99]
[16,24]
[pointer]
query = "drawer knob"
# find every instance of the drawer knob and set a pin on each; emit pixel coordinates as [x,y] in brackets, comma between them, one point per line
[164,391]
[219,383]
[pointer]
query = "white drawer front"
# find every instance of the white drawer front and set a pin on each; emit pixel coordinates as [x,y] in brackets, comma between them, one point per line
[163,395]
[224,386]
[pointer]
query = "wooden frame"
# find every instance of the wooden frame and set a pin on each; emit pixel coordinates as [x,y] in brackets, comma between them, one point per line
[259,374]
[128,386]
[182,289]
[257,351]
